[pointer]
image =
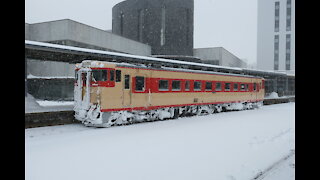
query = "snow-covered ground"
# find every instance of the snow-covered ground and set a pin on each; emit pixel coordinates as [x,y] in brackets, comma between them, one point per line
[225,146]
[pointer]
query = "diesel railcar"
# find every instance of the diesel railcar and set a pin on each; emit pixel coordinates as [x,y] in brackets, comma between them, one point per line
[107,94]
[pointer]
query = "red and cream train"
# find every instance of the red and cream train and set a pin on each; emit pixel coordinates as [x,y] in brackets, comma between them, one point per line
[117,93]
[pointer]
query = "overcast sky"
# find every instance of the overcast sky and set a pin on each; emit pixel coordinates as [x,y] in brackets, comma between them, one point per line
[231,24]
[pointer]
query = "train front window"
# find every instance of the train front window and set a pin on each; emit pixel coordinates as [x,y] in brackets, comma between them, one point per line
[99,75]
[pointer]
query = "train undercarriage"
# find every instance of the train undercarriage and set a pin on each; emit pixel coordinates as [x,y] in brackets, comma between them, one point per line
[93,117]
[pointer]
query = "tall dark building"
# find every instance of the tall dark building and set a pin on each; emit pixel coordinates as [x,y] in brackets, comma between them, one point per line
[165,25]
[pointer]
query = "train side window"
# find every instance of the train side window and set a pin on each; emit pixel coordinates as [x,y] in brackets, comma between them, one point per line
[218,86]
[208,86]
[235,87]
[242,87]
[139,83]
[187,86]
[126,81]
[197,85]
[163,85]
[254,86]
[176,85]
[247,87]
[118,75]
[111,75]
[227,86]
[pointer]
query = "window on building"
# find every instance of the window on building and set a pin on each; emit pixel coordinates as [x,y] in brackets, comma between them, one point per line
[227,86]
[277,16]
[288,51]
[187,24]
[187,86]
[208,86]
[163,26]
[218,86]
[121,23]
[118,75]
[197,85]
[163,85]
[176,85]
[276,52]
[140,83]
[140,25]
[288,25]
[126,81]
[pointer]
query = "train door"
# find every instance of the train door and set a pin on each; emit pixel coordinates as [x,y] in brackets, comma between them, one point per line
[140,91]
[126,101]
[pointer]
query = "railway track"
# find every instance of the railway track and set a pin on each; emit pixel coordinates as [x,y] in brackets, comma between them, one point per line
[52,118]
[261,175]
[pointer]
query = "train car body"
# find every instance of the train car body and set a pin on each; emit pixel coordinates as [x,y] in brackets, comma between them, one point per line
[118,93]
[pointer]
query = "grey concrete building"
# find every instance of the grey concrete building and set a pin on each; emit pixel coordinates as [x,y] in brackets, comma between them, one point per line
[165,25]
[72,33]
[219,56]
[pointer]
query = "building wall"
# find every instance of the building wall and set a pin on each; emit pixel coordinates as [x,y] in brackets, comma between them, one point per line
[39,68]
[219,56]
[166,25]
[69,32]
[267,32]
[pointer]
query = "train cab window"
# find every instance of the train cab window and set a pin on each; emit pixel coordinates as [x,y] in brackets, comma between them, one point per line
[118,75]
[126,81]
[235,87]
[140,83]
[227,87]
[218,86]
[99,75]
[187,86]
[163,85]
[197,85]
[242,87]
[208,86]
[111,75]
[176,85]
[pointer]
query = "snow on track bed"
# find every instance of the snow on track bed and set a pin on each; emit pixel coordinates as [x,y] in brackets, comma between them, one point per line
[225,146]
